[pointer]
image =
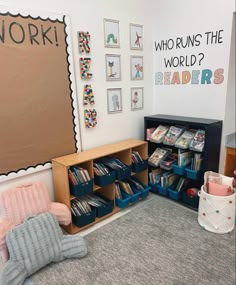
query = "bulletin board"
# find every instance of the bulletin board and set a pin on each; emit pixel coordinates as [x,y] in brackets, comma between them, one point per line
[38,109]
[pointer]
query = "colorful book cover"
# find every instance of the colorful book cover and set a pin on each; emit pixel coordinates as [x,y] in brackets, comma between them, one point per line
[159,134]
[185,139]
[198,141]
[172,135]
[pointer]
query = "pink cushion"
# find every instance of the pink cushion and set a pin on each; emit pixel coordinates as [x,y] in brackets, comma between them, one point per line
[219,189]
[23,201]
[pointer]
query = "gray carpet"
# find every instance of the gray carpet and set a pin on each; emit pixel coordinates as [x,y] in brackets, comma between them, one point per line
[158,242]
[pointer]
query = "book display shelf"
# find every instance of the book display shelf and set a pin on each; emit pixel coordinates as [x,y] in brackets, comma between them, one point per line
[210,153]
[104,186]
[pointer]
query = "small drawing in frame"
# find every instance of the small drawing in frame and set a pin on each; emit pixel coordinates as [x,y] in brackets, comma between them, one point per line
[111,33]
[136,36]
[114,100]
[136,98]
[113,68]
[136,67]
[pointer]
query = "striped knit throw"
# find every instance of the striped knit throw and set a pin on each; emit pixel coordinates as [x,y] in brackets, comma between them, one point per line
[36,243]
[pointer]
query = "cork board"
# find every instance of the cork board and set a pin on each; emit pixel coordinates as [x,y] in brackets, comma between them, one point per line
[38,109]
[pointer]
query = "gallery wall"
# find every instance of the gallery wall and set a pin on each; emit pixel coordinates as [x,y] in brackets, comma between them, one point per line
[89,16]
[191,51]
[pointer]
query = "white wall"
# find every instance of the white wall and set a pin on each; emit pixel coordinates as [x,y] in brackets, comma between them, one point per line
[229,117]
[88,16]
[173,19]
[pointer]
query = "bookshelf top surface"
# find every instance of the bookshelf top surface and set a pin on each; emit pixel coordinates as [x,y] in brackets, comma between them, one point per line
[98,152]
[171,118]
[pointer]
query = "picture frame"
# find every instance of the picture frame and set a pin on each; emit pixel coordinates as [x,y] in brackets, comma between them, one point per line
[114,100]
[136,36]
[111,33]
[136,95]
[136,67]
[113,67]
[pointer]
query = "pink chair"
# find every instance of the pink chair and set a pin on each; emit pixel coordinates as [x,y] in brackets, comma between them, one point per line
[23,201]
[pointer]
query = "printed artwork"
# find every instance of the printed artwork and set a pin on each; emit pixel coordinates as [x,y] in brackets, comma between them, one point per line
[111,33]
[136,37]
[136,98]
[114,100]
[136,66]
[113,71]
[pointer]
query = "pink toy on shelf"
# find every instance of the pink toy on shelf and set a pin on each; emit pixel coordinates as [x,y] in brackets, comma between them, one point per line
[23,201]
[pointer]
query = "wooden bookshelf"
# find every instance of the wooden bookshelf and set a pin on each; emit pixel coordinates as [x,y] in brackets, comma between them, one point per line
[121,150]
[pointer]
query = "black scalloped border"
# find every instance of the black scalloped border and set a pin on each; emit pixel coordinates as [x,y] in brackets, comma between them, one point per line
[70,82]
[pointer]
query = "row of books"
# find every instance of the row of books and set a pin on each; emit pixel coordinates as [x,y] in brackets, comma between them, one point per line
[155,175]
[100,169]
[167,179]
[136,158]
[83,205]
[177,136]
[112,163]
[196,163]
[78,175]
[165,159]
[127,187]
[181,184]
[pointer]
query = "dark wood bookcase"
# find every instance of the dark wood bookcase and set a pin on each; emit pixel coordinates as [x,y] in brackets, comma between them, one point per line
[213,132]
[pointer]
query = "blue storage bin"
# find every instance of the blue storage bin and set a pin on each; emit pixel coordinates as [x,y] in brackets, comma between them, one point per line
[143,193]
[154,187]
[191,201]
[124,202]
[138,167]
[180,170]
[193,174]
[172,194]
[81,221]
[135,197]
[161,190]
[123,173]
[105,179]
[104,210]
[81,189]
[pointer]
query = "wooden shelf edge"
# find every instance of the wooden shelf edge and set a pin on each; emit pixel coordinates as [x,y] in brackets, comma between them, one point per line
[73,229]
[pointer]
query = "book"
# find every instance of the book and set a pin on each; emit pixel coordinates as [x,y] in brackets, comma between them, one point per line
[126,187]
[157,156]
[185,139]
[172,135]
[118,191]
[168,160]
[136,158]
[149,133]
[197,144]
[159,134]
[155,175]
[184,157]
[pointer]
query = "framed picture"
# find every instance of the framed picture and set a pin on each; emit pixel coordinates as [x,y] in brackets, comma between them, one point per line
[136,36]
[136,98]
[111,33]
[114,100]
[136,67]
[113,68]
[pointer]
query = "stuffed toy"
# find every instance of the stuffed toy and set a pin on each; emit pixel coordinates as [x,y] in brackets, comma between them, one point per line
[36,243]
[23,201]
